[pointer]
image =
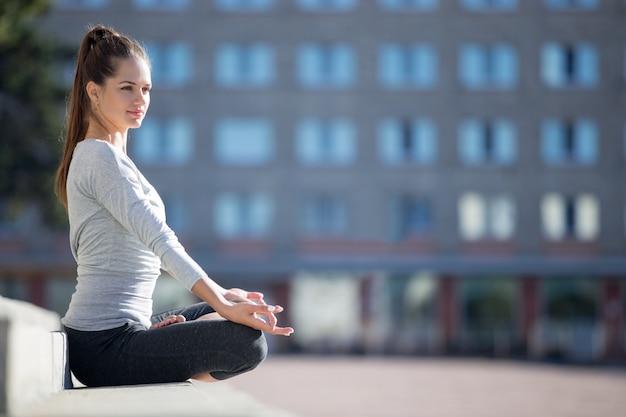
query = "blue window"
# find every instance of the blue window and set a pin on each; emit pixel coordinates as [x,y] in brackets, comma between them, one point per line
[172,63]
[326,65]
[572,4]
[569,65]
[569,142]
[163,142]
[408,5]
[407,141]
[244,5]
[408,66]
[81,4]
[326,142]
[244,141]
[488,66]
[487,142]
[327,5]
[177,212]
[165,5]
[243,215]
[624,141]
[411,216]
[325,216]
[489,5]
[239,65]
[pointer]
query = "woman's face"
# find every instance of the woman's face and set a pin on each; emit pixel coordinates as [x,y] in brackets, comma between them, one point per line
[123,101]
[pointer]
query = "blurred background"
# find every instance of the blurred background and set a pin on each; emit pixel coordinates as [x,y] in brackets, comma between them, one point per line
[406,177]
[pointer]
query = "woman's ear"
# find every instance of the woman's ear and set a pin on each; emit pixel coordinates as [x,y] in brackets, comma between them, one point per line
[93,91]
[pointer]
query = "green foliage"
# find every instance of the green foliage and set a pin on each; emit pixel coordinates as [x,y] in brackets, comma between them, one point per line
[31,103]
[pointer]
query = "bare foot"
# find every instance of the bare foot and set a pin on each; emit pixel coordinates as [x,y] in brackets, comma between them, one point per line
[169,320]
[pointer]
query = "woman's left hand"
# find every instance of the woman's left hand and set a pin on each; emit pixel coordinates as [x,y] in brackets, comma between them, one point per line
[249,307]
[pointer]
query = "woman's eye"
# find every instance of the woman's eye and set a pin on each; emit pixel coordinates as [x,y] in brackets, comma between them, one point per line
[128,87]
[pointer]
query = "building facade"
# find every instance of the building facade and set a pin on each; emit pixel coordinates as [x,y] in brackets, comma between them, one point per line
[440,175]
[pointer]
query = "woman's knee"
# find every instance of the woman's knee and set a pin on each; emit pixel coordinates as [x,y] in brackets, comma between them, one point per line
[255,347]
[247,348]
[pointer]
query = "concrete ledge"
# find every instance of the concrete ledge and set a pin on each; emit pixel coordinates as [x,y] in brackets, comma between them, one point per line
[188,399]
[33,361]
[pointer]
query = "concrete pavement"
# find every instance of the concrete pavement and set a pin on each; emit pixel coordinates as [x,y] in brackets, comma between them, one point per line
[369,387]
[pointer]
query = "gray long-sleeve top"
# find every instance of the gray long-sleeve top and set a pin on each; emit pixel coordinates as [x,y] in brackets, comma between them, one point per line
[119,238]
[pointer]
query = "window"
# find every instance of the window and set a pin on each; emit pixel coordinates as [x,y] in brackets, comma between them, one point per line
[624,141]
[408,5]
[158,142]
[325,216]
[407,66]
[488,66]
[489,5]
[244,141]
[326,66]
[244,65]
[11,216]
[486,217]
[572,4]
[176,210]
[244,5]
[65,70]
[240,215]
[326,142]
[569,142]
[327,5]
[165,5]
[624,219]
[487,142]
[574,217]
[569,65]
[488,307]
[410,217]
[81,4]
[573,300]
[172,63]
[407,141]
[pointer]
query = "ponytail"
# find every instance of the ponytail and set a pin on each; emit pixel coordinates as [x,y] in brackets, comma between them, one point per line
[97,61]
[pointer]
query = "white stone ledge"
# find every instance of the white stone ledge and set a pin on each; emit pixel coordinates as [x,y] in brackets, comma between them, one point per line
[33,362]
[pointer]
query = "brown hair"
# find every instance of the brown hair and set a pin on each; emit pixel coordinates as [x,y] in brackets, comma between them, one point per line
[97,60]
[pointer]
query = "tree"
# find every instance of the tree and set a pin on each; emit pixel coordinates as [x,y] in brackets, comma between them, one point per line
[31,103]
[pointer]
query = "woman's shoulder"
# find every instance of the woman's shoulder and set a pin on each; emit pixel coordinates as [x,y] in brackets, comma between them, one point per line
[93,157]
[94,146]
[96,152]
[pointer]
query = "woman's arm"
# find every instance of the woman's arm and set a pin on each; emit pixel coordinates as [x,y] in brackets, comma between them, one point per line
[240,306]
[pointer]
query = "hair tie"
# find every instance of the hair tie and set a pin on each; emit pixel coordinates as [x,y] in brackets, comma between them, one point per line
[96,36]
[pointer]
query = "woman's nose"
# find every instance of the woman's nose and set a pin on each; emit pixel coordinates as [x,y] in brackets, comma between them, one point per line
[142,98]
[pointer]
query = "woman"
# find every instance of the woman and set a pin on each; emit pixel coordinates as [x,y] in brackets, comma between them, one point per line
[120,240]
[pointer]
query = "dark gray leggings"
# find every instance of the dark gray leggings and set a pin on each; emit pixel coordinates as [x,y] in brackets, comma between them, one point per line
[131,354]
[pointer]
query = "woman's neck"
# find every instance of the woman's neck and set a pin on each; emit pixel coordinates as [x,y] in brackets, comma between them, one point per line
[117,139]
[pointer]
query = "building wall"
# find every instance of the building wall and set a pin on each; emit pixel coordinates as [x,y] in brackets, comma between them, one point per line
[367,184]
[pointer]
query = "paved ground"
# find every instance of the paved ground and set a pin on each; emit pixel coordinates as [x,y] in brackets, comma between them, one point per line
[367,387]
